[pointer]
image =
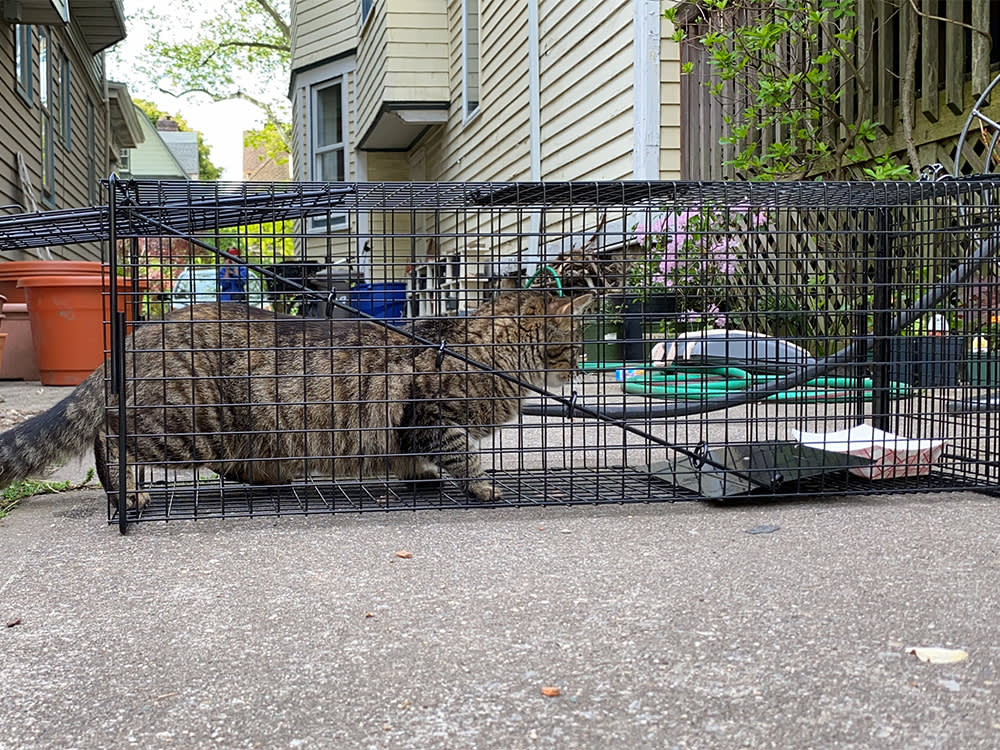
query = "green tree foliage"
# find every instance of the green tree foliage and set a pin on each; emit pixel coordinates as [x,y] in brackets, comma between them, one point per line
[785,66]
[272,139]
[206,169]
[242,50]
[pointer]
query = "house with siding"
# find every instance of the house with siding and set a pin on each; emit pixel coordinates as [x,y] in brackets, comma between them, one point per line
[64,123]
[153,158]
[478,90]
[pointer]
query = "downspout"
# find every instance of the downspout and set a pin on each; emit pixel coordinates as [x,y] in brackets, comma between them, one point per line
[534,122]
[646,86]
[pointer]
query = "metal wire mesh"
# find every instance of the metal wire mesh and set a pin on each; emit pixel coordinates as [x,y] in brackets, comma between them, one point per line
[700,340]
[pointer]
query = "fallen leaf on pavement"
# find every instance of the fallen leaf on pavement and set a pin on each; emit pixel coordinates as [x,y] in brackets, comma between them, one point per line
[939,655]
[404,554]
[550,692]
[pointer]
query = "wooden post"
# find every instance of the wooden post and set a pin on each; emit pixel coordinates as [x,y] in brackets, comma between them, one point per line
[885,109]
[929,45]
[980,47]
[954,57]
[865,60]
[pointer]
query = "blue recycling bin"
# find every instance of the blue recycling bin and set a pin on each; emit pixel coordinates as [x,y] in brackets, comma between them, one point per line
[380,300]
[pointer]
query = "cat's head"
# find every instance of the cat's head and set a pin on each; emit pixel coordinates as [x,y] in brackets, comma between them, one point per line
[565,339]
[556,329]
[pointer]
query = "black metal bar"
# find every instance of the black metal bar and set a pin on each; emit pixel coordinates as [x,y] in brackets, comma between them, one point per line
[117,347]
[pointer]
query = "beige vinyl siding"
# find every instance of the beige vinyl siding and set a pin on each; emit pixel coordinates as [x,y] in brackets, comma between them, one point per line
[417,45]
[371,69]
[493,145]
[300,133]
[322,29]
[393,248]
[670,101]
[402,57]
[586,90]
[586,111]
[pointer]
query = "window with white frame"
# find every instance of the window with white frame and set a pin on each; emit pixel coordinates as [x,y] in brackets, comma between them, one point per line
[125,162]
[470,57]
[22,60]
[329,149]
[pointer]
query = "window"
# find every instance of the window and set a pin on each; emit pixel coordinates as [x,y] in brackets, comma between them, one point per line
[125,162]
[328,133]
[470,56]
[47,120]
[22,60]
[329,150]
[366,9]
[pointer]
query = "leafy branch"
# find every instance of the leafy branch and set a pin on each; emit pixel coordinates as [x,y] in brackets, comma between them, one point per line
[785,67]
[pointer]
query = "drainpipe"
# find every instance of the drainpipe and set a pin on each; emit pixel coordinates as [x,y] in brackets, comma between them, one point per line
[534,121]
[646,86]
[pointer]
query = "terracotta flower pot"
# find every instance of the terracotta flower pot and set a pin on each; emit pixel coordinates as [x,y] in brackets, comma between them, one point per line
[12,271]
[19,352]
[67,314]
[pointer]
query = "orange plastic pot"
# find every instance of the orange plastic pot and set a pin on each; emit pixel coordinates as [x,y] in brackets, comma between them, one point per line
[12,271]
[19,352]
[67,316]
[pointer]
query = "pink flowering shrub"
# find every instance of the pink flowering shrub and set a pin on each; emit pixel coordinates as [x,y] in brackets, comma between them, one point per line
[694,254]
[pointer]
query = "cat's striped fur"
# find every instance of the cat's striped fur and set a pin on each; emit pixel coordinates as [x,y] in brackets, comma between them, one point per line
[266,399]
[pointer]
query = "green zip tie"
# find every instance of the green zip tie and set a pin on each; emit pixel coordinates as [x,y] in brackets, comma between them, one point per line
[555,275]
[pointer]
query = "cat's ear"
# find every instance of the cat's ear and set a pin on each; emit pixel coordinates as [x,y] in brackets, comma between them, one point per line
[573,305]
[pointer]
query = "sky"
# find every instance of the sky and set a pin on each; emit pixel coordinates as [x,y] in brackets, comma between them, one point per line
[221,124]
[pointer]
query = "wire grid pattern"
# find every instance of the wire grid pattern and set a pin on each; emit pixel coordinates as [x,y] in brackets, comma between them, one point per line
[878,299]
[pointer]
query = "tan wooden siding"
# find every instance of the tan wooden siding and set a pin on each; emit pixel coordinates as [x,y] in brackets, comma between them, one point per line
[322,29]
[21,125]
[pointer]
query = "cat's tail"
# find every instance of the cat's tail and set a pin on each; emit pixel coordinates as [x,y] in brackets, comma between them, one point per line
[67,429]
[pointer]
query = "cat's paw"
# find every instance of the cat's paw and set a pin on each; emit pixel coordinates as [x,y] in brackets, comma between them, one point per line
[483,491]
[137,500]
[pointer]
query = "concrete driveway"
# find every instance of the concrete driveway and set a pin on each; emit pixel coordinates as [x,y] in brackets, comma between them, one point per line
[661,625]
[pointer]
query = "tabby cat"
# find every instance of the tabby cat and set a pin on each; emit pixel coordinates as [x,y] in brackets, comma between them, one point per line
[265,398]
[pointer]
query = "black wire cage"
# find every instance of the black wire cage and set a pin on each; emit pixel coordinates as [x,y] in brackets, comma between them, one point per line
[427,345]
